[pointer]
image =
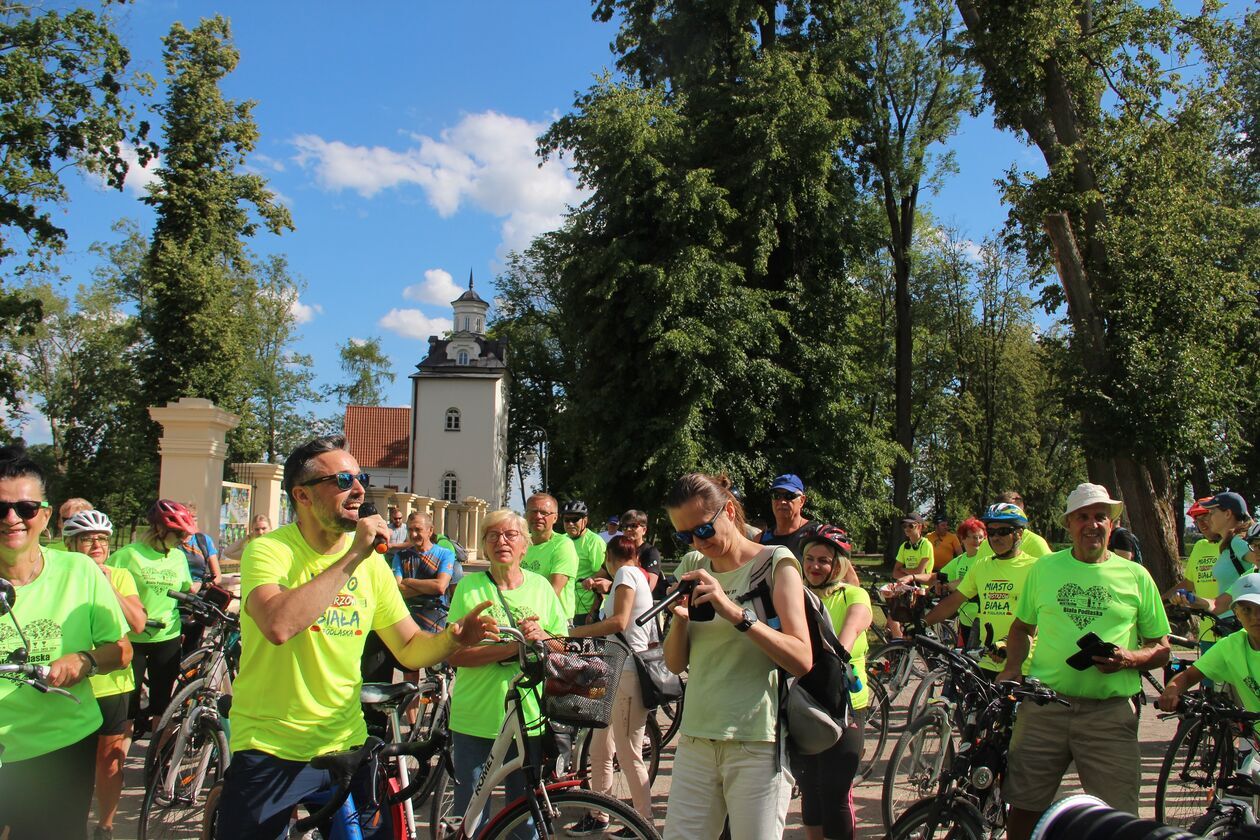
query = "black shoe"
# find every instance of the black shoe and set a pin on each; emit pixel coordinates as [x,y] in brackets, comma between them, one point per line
[587,826]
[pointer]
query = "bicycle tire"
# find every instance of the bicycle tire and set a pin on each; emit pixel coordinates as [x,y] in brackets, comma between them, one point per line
[930,688]
[874,733]
[652,740]
[897,666]
[436,722]
[673,712]
[443,798]
[1186,786]
[181,816]
[568,806]
[927,820]
[159,737]
[915,765]
[1218,822]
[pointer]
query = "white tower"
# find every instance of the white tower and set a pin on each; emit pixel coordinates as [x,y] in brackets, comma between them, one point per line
[459,410]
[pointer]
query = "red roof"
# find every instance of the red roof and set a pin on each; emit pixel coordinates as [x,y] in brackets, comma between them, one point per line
[378,437]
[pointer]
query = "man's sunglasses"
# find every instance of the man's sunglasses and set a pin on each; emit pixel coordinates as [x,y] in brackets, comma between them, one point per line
[25,510]
[700,532]
[784,496]
[345,480]
[1002,532]
[574,519]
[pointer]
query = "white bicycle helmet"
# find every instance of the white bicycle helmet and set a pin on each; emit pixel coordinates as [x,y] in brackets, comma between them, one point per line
[85,522]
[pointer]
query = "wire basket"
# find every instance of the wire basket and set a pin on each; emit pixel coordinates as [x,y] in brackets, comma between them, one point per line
[581,681]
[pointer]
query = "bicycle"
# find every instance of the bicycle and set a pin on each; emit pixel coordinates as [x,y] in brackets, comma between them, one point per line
[967,803]
[547,807]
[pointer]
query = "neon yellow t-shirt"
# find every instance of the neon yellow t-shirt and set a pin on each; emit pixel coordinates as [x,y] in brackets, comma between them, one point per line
[998,584]
[590,551]
[911,556]
[557,556]
[124,679]
[477,696]
[1065,599]
[1203,557]
[1233,660]
[301,699]
[955,570]
[1034,545]
[155,574]
[69,607]
[837,604]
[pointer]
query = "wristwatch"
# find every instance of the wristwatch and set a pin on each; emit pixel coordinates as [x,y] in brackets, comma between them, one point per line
[93,668]
[750,618]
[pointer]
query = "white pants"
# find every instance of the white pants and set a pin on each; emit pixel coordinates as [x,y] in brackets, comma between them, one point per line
[624,734]
[714,779]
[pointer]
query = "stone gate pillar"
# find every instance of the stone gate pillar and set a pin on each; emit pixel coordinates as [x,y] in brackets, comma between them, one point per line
[266,481]
[193,449]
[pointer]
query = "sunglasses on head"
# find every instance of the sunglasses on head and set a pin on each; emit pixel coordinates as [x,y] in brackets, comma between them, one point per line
[345,480]
[1002,532]
[700,532]
[25,510]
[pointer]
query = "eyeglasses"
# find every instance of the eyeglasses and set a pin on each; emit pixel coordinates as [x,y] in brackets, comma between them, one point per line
[1002,532]
[25,510]
[784,495]
[99,539]
[700,532]
[509,536]
[535,511]
[345,480]
[574,519]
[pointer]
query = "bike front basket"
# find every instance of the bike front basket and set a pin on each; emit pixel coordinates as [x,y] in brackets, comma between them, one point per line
[581,681]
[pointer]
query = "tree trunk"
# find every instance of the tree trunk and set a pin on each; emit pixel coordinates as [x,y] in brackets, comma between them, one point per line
[904,430]
[1147,493]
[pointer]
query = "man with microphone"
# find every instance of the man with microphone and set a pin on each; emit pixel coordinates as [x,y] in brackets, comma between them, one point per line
[310,593]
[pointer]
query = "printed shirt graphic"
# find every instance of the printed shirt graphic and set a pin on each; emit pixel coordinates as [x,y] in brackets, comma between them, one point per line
[837,604]
[477,696]
[556,556]
[1203,557]
[911,556]
[955,570]
[1065,599]
[124,679]
[998,584]
[1233,660]
[590,551]
[300,699]
[155,574]
[1034,545]
[944,549]
[739,682]
[425,565]
[69,607]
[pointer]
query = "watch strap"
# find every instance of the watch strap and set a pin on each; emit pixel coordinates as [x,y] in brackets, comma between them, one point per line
[93,668]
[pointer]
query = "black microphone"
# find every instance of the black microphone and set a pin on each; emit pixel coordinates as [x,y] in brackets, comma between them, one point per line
[380,543]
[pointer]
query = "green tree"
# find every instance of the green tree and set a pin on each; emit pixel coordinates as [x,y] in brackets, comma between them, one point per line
[198,276]
[367,371]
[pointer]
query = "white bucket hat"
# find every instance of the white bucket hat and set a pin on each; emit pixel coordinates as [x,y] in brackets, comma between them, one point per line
[1090,494]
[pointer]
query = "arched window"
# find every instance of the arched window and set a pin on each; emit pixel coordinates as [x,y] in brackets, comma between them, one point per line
[452,419]
[463,357]
[450,487]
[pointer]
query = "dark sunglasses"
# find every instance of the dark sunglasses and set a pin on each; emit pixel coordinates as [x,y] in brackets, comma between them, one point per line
[574,519]
[345,480]
[25,510]
[700,532]
[784,495]
[1002,532]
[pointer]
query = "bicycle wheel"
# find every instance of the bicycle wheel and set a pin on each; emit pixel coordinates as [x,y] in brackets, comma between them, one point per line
[1194,760]
[434,725]
[570,806]
[1218,822]
[620,785]
[915,766]
[875,732]
[929,819]
[930,688]
[188,698]
[673,713]
[898,667]
[175,802]
[443,802]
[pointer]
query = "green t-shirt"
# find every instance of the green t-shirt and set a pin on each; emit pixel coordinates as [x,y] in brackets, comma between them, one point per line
[1233,660]
[998,585]
[837,604]
[155,574]
[590,551]
[557,556]
[123,680]
[477,696]
[954,570]
[1203,557]
[69,607]
[911,556]
[1065,599]
[739,682]
[301,699]
[1034,545]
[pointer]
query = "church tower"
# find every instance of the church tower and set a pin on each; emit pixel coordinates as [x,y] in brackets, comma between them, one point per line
[459,410]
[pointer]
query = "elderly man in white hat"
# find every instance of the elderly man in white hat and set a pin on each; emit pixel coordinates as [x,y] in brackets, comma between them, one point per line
[1098,620]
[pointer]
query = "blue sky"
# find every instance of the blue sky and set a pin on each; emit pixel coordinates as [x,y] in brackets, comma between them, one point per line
[400,135]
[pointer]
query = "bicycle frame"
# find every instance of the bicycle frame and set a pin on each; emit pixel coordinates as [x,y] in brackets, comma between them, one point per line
[171,780]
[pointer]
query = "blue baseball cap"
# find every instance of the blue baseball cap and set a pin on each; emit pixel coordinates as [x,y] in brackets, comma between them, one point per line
[789,482]
[1229,501]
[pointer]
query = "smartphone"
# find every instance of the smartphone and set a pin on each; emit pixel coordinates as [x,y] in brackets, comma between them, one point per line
[1090,646]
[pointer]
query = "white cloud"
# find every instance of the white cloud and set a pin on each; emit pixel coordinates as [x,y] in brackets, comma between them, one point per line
[438,288]
[138,177]
[303,312]
[412,323]
[486,160]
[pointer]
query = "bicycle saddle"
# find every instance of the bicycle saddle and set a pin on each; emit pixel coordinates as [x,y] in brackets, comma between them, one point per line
[385,694]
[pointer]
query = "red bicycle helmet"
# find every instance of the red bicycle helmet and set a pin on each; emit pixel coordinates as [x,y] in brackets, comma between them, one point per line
[172,516]
[832,536]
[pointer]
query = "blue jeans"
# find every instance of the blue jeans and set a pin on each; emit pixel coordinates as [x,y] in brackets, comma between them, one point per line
[469,754]
[260,792]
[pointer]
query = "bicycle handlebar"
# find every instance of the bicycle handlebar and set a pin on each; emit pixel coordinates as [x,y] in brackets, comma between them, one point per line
[1214,708]
[36,676]
[199,606]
